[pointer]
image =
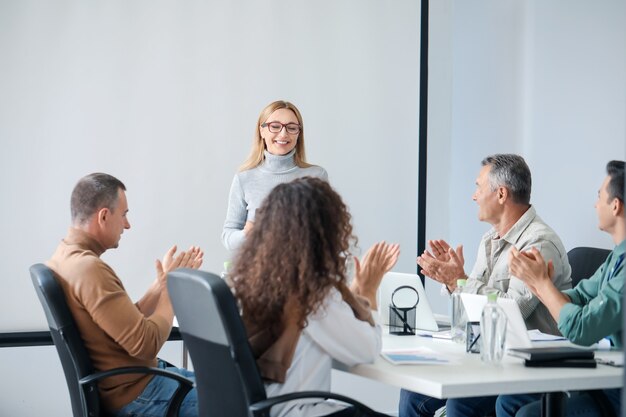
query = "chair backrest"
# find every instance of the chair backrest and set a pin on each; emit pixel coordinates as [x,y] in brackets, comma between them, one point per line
[70,347]
[585,261]
[227,377]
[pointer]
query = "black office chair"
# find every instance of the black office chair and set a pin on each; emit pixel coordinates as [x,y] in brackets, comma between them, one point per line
[585,261]
[227,378]
[80,375]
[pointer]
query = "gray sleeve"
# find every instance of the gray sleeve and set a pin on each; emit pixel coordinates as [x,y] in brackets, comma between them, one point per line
[314,171]
[324,174]
[236,215]
[477,278]
[516,289]
[521,293]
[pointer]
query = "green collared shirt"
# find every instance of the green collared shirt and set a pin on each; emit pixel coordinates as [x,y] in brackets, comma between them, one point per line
[596,308]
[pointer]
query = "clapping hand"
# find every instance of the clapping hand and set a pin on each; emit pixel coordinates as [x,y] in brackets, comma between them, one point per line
[439,249]
[191,258]
[531,268]
[377,261]
[444,264]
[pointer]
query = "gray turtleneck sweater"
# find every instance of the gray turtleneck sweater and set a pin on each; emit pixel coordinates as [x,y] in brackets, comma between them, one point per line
[250,187]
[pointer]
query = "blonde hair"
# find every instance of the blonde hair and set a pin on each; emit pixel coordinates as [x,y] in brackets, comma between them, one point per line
[258,144]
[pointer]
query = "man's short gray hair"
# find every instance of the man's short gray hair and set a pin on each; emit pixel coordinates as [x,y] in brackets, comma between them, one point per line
[92,193]
[512,172]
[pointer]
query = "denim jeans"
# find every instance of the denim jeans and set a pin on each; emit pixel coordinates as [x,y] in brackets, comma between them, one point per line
[153,400]
[352,412]
[579,404]
[417,405]
[509,405]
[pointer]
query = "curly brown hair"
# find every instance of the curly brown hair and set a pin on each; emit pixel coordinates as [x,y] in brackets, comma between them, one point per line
[296,252]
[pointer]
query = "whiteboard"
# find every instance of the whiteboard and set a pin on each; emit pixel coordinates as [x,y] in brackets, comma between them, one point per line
[165,96]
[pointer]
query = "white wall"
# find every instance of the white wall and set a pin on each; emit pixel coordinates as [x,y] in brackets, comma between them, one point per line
[147,87]
[165,96]
[575,110]
[544,79]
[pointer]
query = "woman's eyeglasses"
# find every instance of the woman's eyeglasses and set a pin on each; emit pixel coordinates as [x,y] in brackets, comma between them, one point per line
[276,127]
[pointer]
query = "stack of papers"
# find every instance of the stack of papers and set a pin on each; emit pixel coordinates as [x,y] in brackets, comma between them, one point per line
[420,355]
[611,358]
[537,336]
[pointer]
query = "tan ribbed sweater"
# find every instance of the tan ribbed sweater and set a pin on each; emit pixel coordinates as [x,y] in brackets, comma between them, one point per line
[115,332]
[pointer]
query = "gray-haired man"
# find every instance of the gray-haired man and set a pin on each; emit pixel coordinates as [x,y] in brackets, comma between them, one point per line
[503,188]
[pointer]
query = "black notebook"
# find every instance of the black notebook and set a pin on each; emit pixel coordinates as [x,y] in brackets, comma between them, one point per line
[561,353]
[562,363]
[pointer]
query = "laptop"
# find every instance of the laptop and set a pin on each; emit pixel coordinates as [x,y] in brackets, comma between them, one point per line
[516,332]
[392,281]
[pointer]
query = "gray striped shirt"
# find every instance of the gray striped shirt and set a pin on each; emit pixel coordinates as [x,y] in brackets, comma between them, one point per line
[491,270]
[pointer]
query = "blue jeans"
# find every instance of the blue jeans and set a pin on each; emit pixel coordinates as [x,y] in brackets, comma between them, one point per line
[509,405]
[417,405]
[153,400]
[579,404]
[352,412]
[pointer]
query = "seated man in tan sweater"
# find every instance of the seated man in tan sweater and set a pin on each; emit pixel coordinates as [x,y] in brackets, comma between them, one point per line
[116,331]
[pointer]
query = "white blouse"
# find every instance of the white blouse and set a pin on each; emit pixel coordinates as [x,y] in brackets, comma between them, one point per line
[333,332]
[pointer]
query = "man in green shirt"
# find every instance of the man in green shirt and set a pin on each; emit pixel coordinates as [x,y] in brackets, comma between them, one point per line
[590,311]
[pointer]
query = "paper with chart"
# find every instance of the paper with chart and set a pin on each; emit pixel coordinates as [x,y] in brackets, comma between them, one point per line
[417,356]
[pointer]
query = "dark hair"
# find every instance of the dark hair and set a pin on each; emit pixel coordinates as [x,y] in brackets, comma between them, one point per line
[296,251]
[615,170]
[93,192]
[512,172]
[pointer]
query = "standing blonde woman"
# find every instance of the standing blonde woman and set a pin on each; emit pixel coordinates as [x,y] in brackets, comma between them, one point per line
[277,157]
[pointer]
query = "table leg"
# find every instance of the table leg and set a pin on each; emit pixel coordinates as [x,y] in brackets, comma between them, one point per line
[185,356]
[553,404]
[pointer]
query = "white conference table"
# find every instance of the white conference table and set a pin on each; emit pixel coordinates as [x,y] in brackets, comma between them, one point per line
[469,377]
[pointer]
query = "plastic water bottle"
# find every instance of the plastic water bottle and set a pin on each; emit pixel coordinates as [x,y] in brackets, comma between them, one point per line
[458,317]
[224,273]
[492,331]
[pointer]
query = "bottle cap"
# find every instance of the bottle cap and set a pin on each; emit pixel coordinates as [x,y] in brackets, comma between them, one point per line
[461,282]
[492,296]
[226,265]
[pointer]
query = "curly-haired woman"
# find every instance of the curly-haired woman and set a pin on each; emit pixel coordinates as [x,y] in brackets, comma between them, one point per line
[277,156]
[298,308]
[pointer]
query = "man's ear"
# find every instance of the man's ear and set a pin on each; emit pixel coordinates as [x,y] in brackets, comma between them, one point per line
[502,194]
[102,215]
[617,207]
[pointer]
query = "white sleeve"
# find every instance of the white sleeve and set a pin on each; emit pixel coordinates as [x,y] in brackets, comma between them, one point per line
[344,337]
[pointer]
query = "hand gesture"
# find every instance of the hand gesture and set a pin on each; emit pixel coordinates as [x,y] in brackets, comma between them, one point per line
[531,268]
[446,265]
[376,262]
[195,259]
[192,258]
[247,228]
[439,249]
